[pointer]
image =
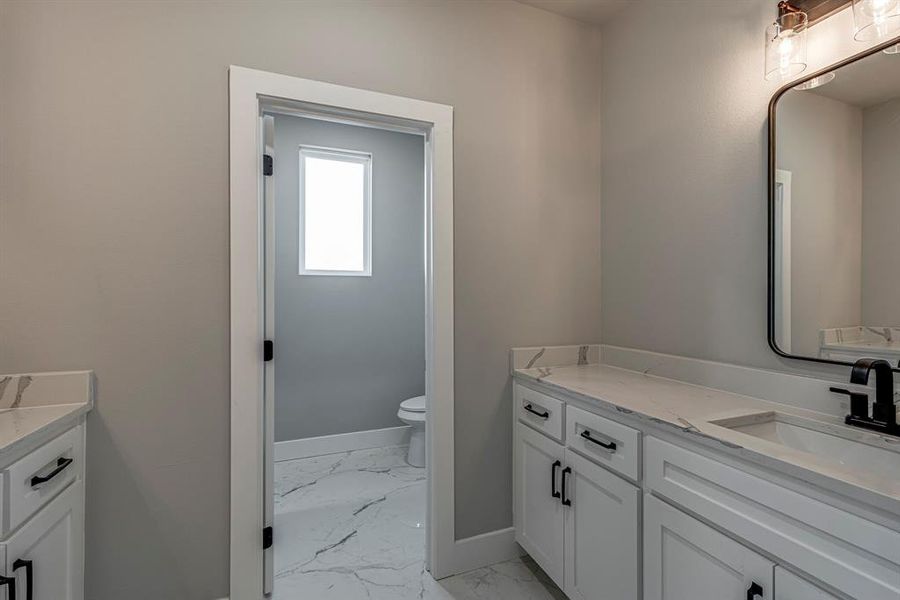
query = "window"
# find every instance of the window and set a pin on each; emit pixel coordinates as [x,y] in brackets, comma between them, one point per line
[335,212]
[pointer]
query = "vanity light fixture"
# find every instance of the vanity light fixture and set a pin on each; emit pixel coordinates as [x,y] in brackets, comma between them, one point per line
[875,19]
[786,45]
[815,82]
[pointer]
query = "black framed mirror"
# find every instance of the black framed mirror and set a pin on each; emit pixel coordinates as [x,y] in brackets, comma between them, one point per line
[834,212]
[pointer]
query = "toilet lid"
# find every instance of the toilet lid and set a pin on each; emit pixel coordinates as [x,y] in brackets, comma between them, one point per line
[416,404]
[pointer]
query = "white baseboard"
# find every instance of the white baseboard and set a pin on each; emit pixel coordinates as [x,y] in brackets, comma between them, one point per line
[341,442]
[486,549]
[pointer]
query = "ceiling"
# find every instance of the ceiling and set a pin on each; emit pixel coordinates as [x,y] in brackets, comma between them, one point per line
[589,11]
[867,82]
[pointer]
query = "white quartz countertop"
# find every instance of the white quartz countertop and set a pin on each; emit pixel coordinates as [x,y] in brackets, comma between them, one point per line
[36,407]
[687,409]
[32,426]
[880,346]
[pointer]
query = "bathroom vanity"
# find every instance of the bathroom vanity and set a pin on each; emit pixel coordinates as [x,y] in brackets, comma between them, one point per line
[628,485]
[42,450]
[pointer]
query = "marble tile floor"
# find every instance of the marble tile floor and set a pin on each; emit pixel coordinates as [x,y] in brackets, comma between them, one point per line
[349,526]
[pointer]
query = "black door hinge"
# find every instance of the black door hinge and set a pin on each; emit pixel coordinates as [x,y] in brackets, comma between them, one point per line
[268,165]
[268,350]
[268,537]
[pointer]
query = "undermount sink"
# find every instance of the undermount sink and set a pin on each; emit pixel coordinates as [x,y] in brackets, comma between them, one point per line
[855,450]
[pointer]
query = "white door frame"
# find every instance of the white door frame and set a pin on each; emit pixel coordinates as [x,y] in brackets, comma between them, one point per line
[249,91]
[783,210]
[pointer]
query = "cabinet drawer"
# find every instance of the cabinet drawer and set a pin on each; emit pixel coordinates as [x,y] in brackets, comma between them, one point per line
[37,478]
[605,442]
[540,411]
[852,554]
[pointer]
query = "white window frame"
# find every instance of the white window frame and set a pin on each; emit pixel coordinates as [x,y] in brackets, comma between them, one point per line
[351,156]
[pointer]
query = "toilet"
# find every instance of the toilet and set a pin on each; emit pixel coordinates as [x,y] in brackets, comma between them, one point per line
[412,412]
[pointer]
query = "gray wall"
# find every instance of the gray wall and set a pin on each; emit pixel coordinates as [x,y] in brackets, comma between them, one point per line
[820,142]
[684,237]
[881,214]
[114,232]
[350,349]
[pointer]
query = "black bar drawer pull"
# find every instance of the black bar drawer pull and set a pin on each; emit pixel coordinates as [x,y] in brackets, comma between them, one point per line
[587,435]
[553,491]
[754,590]
[11,582]
[61,465]
[29,576]
[543,415]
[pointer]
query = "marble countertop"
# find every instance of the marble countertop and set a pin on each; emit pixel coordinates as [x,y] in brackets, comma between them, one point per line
[35,407]
[872,339]
[881,346]
[29,427]
[689,410]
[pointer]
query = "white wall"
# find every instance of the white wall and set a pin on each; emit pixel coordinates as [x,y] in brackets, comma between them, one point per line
[684,234]
[819,141]
[881,214]
[114,232]
[350,349]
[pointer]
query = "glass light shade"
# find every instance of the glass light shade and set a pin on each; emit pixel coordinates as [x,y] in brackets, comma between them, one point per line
[816,82]
[786,47]
[875,19]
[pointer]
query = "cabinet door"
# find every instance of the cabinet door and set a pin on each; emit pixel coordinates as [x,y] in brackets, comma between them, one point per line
[539,516]
[601,559]
[53,542]
[790,587]
[685,559]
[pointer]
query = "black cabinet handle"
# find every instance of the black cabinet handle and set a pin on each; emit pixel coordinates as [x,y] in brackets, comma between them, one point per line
[566,501]
[553,491]
[29,576]
[61,466]
[11,583]
[754,590]
[543,415]
[587,435]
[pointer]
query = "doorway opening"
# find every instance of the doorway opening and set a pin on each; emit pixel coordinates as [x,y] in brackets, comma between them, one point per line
[345,258]
[345,305]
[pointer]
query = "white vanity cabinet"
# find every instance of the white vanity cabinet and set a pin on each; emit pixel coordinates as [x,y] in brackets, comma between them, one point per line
[42,547]
[685,559]
[576,519]
[50,547]
[855,553]
[591,485]
[539,513]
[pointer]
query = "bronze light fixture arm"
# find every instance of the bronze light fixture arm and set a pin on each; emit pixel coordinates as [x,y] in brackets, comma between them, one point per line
[816,10]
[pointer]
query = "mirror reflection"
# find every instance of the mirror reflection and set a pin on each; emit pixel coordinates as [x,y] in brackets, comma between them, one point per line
[837,214]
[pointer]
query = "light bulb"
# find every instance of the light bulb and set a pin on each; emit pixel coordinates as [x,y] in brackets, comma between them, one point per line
[786,47]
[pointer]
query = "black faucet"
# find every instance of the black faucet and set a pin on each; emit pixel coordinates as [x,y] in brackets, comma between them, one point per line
[884,412]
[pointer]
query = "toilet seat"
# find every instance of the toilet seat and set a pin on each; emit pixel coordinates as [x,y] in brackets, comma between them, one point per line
[413,405]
